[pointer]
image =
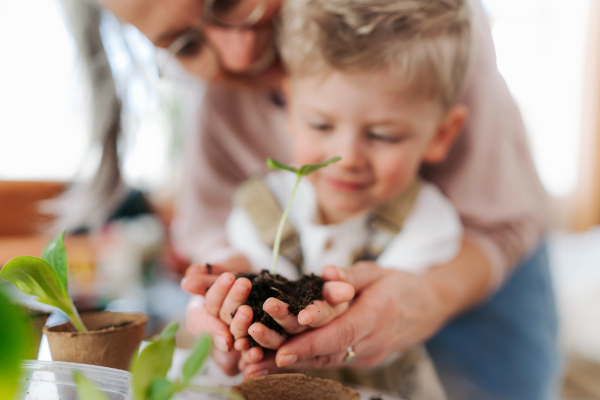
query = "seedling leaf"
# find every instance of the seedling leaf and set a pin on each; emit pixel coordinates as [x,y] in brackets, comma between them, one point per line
[86,389]
[34,276]
[310,168]
[303,171]
[273,164]
[154,362]
[161,389]
[196,359]
[55,254]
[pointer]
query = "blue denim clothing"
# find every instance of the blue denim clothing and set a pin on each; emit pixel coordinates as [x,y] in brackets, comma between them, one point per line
[508,348]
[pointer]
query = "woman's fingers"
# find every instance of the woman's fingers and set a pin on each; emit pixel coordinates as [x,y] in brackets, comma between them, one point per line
[199,320]
[227,361]
[337,292]
[361,275]
[241,322]
[279,311]
[241,344]
[198,278]
[266,337]
[217,293]
[264,367]
[320,313]
[252,355]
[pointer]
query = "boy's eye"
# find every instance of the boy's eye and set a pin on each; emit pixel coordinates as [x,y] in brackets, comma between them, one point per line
[321,126]
[385,137]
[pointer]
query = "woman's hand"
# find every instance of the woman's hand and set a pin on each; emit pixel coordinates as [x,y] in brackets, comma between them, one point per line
[203,315]
[393,310]
[199,277]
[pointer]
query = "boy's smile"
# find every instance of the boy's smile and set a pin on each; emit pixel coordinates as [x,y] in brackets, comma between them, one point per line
[383,136]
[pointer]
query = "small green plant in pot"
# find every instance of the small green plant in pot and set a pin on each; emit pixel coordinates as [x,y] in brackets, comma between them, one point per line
[150,382]
[104,339]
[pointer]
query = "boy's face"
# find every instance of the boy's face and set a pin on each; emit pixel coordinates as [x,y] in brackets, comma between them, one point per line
[381,135]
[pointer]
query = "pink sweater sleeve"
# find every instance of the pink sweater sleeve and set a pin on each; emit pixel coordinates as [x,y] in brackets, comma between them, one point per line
[489,175]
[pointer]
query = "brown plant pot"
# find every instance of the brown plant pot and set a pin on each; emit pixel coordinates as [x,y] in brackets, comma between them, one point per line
[293,387]
[110,341]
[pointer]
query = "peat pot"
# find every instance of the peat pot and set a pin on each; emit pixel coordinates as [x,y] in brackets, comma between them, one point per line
[110,341]
[293,387]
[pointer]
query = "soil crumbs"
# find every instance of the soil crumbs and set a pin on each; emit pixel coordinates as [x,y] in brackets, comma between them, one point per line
[297,294]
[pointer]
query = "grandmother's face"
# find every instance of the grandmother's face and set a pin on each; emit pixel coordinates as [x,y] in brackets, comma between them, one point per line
[239,56]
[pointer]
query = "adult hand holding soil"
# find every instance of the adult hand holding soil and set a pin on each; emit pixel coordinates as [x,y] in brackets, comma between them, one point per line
[393,310]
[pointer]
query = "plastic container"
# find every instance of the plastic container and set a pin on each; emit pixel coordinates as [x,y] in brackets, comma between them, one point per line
[53,380]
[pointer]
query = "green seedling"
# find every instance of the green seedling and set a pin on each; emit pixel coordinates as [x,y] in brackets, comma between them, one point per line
[45,278]
[300,172]
[16,336]
[150,369]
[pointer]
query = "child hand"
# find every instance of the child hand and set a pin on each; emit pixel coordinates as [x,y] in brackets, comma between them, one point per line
[336,299]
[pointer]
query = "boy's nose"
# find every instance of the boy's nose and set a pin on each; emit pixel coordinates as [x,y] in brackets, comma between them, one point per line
[352,154]
[236,47]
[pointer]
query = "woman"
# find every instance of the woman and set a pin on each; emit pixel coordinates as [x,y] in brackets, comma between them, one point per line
[504,347]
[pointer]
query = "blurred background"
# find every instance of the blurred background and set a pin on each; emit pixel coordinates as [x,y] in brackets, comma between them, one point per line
[547,50]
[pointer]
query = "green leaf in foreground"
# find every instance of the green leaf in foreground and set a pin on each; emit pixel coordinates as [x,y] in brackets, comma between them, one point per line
[86,389]
[55,254]
[154,362]
[34,276]
[161,389]
[169,331]
[196,359]
[15,334]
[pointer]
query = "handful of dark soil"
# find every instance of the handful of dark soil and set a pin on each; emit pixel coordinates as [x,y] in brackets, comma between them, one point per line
[298,294]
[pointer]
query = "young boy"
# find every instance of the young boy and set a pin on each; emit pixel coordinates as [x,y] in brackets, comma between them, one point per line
[377,83]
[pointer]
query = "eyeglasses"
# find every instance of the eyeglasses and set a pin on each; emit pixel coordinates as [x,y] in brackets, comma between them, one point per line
[193,50]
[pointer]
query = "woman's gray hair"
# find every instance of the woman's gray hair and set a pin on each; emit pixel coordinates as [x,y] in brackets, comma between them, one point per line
[89,204]
[424,44]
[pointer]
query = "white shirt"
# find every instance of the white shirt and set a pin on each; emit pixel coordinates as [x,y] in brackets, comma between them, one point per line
[431,233]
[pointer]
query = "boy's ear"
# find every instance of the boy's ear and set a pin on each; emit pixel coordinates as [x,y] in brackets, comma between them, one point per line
[447,132]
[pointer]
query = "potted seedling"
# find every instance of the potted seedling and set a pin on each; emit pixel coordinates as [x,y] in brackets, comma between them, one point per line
[149,380]
[298,295]
[104,338]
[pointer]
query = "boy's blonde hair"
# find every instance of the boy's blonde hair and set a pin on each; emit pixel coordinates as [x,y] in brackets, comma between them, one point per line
[424,44]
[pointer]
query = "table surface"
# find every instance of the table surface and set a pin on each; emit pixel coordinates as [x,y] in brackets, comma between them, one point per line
[212,375]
